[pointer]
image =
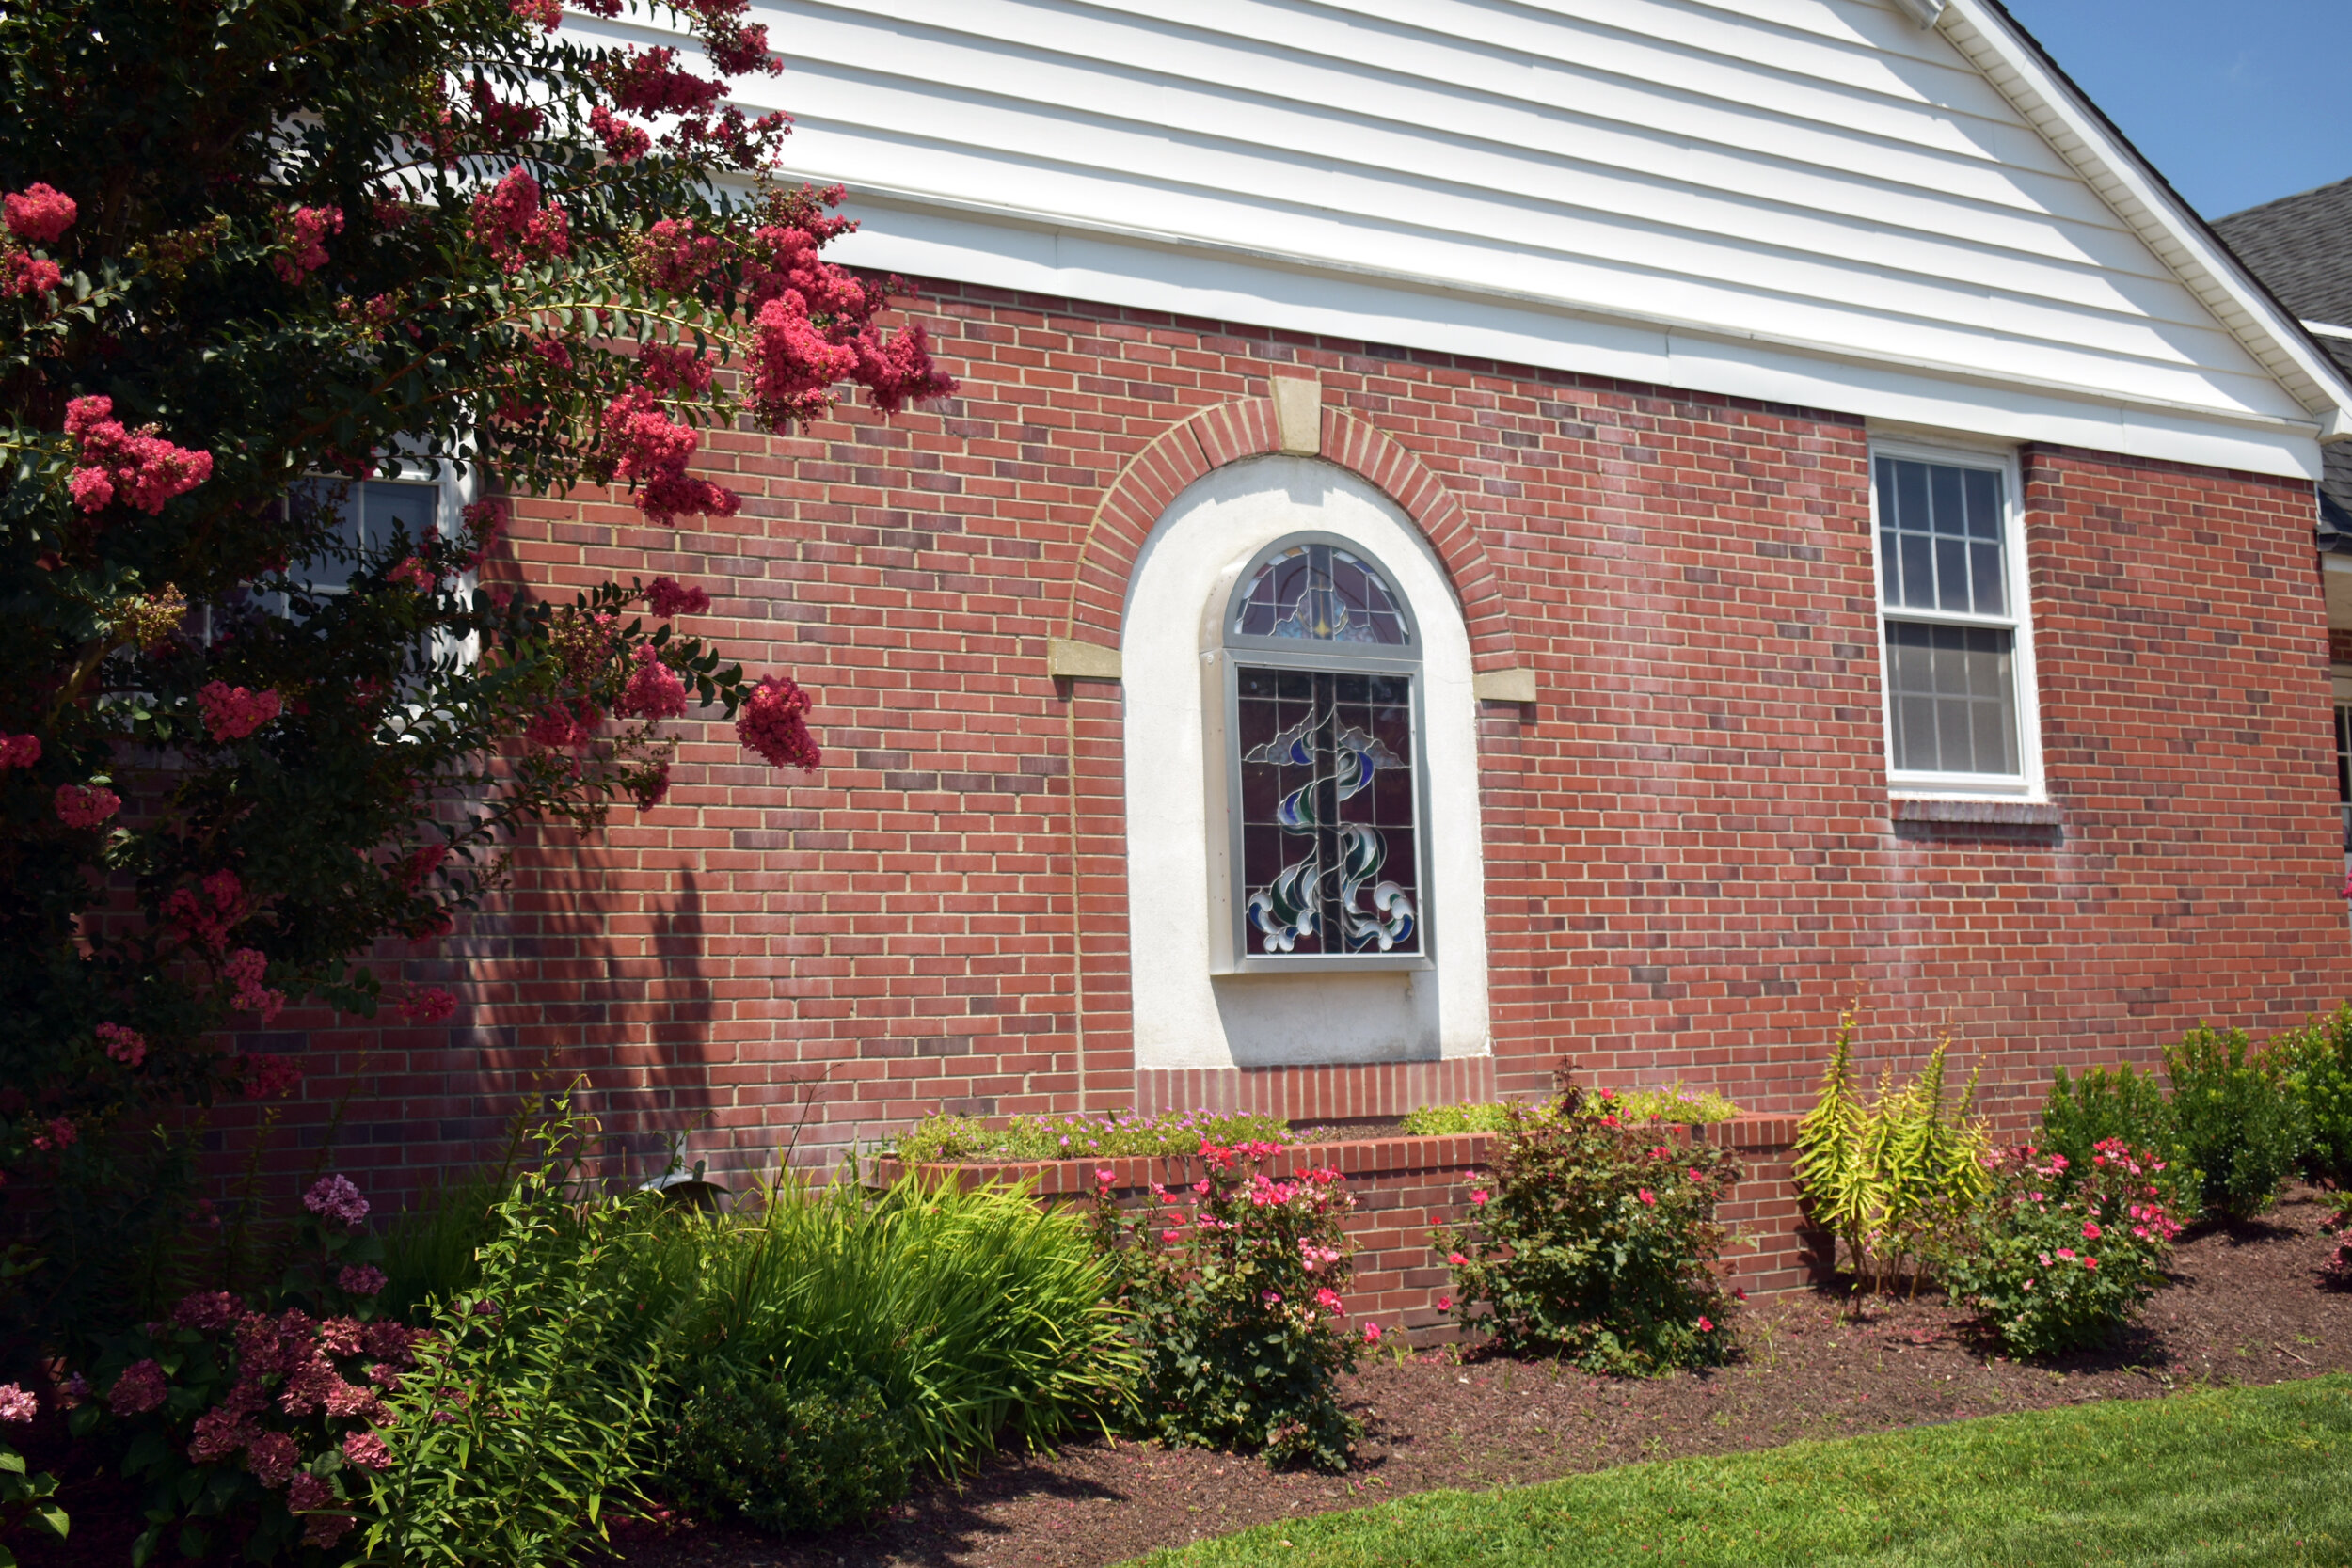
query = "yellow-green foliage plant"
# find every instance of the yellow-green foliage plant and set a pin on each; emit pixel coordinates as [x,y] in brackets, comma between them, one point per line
[1893,1175]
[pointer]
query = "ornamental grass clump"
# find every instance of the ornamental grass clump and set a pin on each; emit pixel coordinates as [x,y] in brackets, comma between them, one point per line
[1593,1241]
[1109,1134]
[1896,1175]
[2060,1255]
[867,1333]
[1674,1103]
[1234,1286]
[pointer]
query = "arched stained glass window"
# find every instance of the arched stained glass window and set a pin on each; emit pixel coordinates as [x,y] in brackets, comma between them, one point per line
[1318,592]
[1325,761]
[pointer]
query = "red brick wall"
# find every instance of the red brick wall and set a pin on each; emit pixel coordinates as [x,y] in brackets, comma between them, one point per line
[1692,861]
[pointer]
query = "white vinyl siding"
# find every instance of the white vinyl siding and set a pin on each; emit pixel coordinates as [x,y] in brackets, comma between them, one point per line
[1777,191]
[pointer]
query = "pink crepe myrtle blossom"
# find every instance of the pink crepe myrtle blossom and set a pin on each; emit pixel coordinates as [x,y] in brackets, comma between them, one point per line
[233,712]
[138,468]
[16,1404]
[123,1045]
[58,1132]
[40,213]
[564,725]
[206,919]
[19,751]
[243,969]
[334,1197]
[623,142]
[413,573]
[511,223]
[772,723]
[270,1077]
[430,1005]
[302,233]
[655,691]
[86,805]
[29,275]
[651,450]
[139,1389]
[668,600]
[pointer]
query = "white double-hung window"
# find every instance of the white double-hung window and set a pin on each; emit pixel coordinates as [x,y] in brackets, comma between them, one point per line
[1955,623]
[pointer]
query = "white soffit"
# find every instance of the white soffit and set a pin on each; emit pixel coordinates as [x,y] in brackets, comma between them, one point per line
[1820,203]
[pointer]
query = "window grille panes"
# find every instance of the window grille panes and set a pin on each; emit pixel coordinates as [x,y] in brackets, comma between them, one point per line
[1329,825]
[1941,537]
[1954,698]
[1953,706]
[362,515]
[2343,770]
[1321,593]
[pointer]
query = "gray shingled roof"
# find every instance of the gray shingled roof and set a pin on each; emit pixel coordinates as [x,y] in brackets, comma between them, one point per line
[2300,246]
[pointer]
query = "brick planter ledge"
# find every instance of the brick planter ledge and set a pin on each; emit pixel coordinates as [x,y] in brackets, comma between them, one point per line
[1404,1187]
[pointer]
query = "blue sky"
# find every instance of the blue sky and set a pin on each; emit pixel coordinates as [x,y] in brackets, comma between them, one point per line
[2238,102]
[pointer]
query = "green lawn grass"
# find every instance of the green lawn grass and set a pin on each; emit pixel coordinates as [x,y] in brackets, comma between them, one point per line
[2235,1476]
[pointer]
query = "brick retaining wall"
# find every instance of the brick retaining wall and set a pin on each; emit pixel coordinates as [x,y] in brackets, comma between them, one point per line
[1404,1187]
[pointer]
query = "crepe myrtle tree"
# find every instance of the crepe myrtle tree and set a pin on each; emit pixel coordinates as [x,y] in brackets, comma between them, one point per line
[251,242]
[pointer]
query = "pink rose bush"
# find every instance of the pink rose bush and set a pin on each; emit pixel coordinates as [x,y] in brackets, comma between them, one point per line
[1237,1283]
[1593,1241]
[2061,1254]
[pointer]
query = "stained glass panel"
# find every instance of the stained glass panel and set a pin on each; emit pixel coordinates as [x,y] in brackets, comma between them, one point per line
[1330,815]
[1322,593]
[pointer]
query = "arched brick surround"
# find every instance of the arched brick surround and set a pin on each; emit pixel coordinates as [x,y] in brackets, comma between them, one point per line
[1247,428]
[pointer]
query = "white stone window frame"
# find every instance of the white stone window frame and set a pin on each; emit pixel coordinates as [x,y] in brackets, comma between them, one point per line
[2028,783]
[1187,1014]
[1228,916]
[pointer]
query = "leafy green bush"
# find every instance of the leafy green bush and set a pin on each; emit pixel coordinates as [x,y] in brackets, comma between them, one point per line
[2316,1062]
[2064,1252]
[787,1458]
[1894,1175]
[969,1313]
[1109,1136]
[2103,1104]
[533,1403]
[1236,1306]
[2236,1121]
[1593,1243]
[1671,1103]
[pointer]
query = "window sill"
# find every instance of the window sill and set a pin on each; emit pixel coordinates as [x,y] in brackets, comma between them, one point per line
[2012,814]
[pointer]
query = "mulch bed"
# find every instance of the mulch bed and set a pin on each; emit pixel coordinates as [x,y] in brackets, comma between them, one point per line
[2245,1304]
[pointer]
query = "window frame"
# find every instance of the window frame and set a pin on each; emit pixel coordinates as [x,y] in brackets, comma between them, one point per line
[2028,783]
[1231,653]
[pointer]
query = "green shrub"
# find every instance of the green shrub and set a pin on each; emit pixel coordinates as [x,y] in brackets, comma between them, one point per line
[1897,1175]
[533,1403]
[1593,1243]
[969,1313]
[2105,1103]
[787,1458]
[1672,1103]
[1236,1306]
[2316,1062]
[2234,1120]
[1109,1136]
[2063,1252]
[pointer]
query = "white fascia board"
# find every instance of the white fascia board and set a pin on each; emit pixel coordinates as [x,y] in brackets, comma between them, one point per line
[1986,36]
[920,236]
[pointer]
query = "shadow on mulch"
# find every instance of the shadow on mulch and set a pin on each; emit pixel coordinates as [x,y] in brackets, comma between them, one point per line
[2244,1305]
